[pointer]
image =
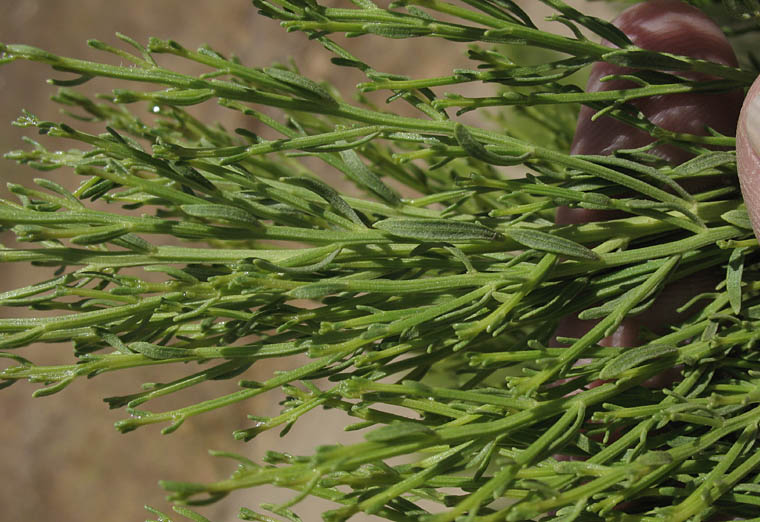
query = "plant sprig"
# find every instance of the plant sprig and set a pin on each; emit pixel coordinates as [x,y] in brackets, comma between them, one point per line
[438,299]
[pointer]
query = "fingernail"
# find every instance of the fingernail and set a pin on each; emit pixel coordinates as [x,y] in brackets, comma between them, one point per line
[752,123]
[748,154]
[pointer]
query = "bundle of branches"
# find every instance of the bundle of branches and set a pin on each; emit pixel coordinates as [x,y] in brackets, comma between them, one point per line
[424,309]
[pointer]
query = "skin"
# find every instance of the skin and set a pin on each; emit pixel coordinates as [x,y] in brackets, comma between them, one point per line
[675,27]
[747,157]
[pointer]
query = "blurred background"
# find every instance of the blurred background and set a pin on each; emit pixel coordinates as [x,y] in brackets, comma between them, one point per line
[62,459]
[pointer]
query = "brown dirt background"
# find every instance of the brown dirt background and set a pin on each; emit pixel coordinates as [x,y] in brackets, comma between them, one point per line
[61,458]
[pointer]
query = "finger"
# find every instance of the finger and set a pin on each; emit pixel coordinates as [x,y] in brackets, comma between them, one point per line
[669,26]
[675,27]
[748,154]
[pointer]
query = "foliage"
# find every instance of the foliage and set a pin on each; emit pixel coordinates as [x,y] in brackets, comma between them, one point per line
[425,311]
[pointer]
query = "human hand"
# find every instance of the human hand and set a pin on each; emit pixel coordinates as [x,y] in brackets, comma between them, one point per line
[675,27]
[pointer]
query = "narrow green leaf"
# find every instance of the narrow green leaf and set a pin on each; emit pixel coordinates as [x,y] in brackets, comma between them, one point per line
[155,351]
[182,97]
[100,235]
[545,242]
[97,189]
[162,517]
[734,272]
[646,60]
[305,86]
[73,82]
[58,189]
[610,307]
[54,388]
[306,269]
[177,273]
[343,145]
[20,360]
[330,195]
[185,488]
[738,218]
[644,170]
[419,13]
[654,459]
[316,290]
[248,514]
[388,30]
[478,151]
[399,430]
[633,357]
[135,243]
[345,62]
[364,4]
[703,162]
[192,515]
[601,27]
[224,212]
[360,174]
[436,230]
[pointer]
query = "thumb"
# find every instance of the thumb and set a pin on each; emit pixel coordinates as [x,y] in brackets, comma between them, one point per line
[748,154]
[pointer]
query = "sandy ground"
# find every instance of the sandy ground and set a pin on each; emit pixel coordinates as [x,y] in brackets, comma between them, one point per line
[61,458]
